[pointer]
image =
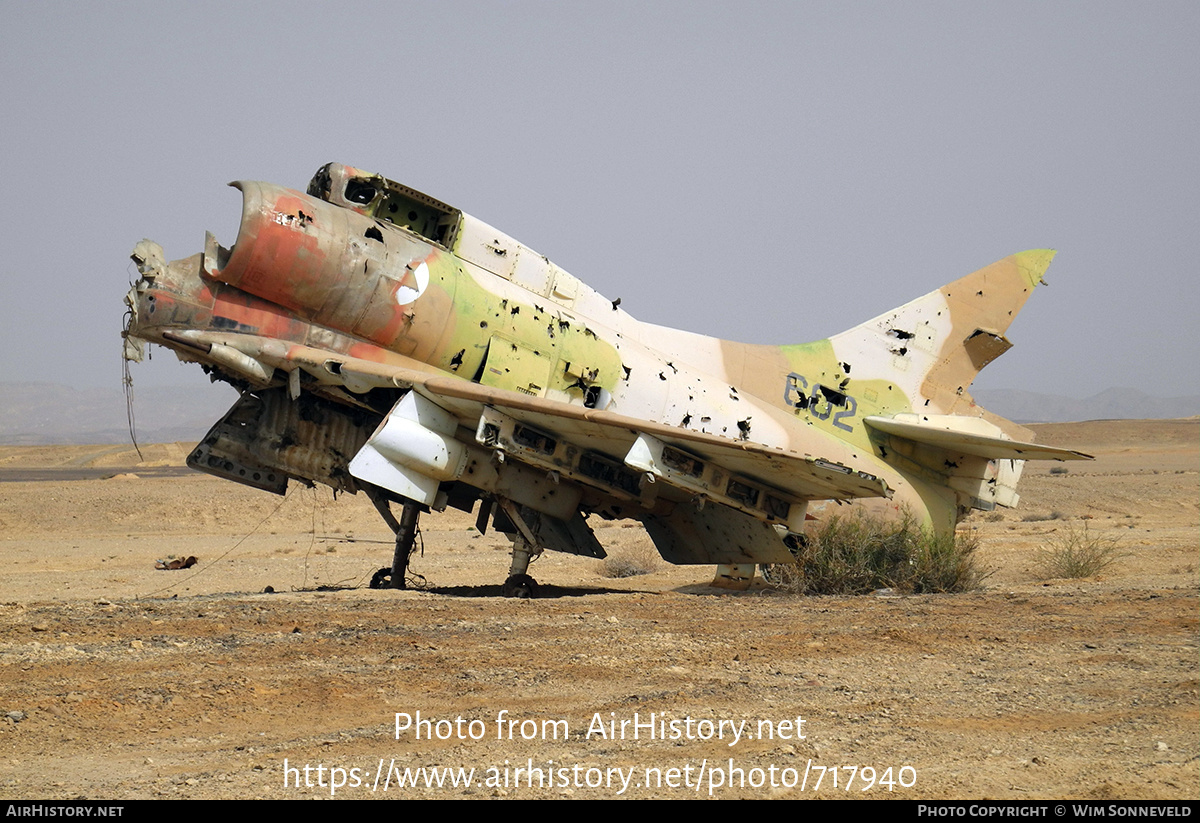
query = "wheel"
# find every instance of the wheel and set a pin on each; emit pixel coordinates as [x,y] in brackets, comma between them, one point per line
[770,573]
[519,585]
[382,579]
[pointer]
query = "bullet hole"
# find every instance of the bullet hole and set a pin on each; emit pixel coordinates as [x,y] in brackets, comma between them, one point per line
[616,303]
[979,294]
[744,429]
[845,382]
[959,391]
[457,359]
[483,324]
[900,334]
[374,233]
[705,419]
[591,396]
[302,218]
[550,330]
[672,366]
[903,350]
[687,419]
[846,368]
[833,395]
[504,303]
[515,310]
[628,371]
[883,452]
[588,332]
[950,464]
[662,376]
[563,325]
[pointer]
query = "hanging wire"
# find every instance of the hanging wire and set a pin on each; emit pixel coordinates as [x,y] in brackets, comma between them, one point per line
[228,551]
[127,383]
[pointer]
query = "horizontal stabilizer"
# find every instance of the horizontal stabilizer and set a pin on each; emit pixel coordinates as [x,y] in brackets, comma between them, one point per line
[946,432]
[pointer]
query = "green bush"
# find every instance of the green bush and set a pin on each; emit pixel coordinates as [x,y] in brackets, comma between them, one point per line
[859,554]
[1077,553]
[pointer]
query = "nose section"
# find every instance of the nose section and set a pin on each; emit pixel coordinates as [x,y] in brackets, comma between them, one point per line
[282,247]
[309,256]
[327,264]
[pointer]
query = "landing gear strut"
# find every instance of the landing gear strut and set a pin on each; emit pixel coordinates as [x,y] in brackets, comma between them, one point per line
[525,548]
[405,530]
[519,583]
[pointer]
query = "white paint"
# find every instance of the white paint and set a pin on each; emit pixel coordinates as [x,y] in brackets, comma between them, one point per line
[407,294]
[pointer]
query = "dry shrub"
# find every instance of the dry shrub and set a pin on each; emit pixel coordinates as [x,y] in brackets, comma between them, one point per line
[860,554]
[1077,553]
[631,562]
[1038,517]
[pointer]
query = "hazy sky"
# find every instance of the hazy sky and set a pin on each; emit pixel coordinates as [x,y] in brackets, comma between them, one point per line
[767,172]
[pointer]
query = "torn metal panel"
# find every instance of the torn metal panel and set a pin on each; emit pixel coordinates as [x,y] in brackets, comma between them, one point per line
[266,438]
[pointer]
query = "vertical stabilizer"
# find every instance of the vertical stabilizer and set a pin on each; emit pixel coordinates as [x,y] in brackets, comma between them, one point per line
[933,347]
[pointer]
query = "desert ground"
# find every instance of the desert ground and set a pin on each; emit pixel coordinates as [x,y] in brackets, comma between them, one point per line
[122,681]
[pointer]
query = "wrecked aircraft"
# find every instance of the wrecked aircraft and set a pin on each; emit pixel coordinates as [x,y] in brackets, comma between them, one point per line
[388,343]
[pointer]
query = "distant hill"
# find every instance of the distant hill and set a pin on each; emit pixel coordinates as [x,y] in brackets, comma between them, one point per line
[48,413]
[1111,404]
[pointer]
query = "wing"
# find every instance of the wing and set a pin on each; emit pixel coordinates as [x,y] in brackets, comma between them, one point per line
[460,430]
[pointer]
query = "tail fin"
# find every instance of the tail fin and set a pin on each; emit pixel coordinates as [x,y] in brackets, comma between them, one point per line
[930,350]
[933,347]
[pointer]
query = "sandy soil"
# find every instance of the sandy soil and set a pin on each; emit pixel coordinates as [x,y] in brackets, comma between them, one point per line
[120,681]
